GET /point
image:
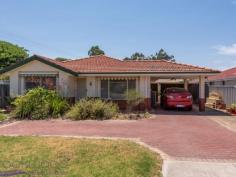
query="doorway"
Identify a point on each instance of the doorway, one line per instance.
(154, 95)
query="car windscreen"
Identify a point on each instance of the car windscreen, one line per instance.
(175, 90)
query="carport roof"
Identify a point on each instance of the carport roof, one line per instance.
(102, 64)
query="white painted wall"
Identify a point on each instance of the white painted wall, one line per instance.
(66, 82)
(144, 86)
(91, 86)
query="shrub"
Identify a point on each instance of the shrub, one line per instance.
(92, 109)
(134, 99)
(39, 103)
(2, 117)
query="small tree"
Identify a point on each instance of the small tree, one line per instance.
(11, 53)
(134, 98)
(95, 50)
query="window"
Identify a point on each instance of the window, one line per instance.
(116, 89)
(48, 82)
(104, 88)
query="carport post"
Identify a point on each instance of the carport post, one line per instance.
(201, 93)
(185, 84)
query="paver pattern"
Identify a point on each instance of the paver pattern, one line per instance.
(184, 135)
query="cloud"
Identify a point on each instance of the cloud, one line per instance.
(227, 50)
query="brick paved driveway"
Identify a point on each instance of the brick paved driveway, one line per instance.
(178, 135)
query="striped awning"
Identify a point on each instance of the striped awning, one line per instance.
(42, 74)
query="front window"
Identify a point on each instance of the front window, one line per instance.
(48, 82)
(117, 89)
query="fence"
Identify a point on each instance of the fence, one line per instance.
(228, 93)
(4, 93)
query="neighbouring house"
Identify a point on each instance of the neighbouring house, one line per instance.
(224, 84)
(104, 77)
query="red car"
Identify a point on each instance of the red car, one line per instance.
(177, 98)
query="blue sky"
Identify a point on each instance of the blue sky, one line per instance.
(201, 32)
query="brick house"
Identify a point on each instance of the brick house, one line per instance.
(103, 76)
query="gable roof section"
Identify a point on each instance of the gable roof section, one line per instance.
(102, 64)
(225, 75)
(42, 59)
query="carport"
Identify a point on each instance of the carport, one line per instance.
(159, 83)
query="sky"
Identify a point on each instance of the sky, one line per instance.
(201, 32)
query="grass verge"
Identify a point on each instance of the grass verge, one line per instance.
(54, 156)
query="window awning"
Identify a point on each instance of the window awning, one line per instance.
(42, 74)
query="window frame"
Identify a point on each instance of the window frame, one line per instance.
(22, 75)
(109, 88)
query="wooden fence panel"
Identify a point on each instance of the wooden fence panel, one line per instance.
(228, 93)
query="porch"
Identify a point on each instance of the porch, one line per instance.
(116, 88)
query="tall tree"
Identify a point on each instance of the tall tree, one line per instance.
(162, 55)
(95, 50)
(11, 53)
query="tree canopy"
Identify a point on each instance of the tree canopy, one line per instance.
(160, 55)
(61, 59)
(11, 53)
(95, 50)
(136, 56)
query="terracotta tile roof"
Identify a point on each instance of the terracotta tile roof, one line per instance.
(105, 64)
(227, 74)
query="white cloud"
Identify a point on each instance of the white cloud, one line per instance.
(227, 50)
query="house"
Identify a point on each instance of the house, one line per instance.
(225, 85)
(102, 76)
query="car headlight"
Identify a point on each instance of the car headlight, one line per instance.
(189, 97)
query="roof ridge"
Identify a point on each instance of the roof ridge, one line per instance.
(88, 57)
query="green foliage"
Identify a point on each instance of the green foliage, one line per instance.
(161, 55)
(136, 56)
(133, 99)
(95, 50)
(61, 59)
(92, 109)
(10, 54)
(2, 117)
(39, 103)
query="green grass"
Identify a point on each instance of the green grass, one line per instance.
(77, 157)
(2, 116)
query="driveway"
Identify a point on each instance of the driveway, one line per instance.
(180, 135)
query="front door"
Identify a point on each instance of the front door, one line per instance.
(154, 95)
(82, 89)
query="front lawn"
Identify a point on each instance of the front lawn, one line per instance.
(77, 157)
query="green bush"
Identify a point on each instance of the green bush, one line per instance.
(92, 109)
(2, 117)
(39, 103)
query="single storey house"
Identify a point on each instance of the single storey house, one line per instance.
(224, 84)
(102, 76)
